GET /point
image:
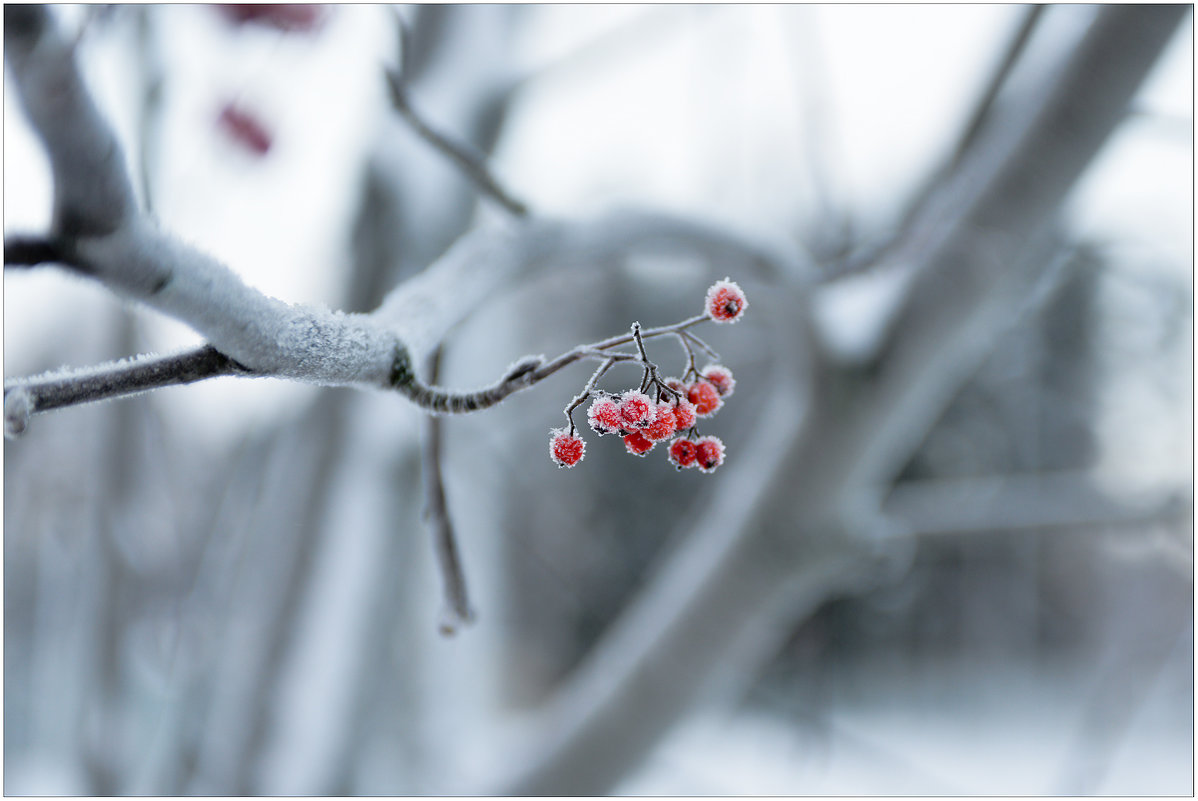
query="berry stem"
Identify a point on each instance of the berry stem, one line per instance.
(588, 390)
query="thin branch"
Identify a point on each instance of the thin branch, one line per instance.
(32, 251)
(122, 379)
(467, 159)
(457, 612)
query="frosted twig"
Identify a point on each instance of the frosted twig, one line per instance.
(121, 379)
(457, 611)
(469, 161)
(588, 390)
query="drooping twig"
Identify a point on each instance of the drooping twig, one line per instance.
(457, 611)
(469, 161)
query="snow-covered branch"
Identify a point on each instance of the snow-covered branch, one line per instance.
(264, 336)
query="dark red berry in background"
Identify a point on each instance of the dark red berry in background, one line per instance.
(288, 17)
(245, 129)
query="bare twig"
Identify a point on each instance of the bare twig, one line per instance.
(32, 251)
(468, 160)
(457, 612)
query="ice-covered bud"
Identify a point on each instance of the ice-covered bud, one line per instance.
(684, 413)
(18, 406)
(682, 453)
(726, 302)
(707, 400)
(720, 378)
(638, 444)
(709, 453)
(565, 449)
(663, 424)
(636, 410)
(604, 416)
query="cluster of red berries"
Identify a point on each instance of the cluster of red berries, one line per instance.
(643, 421)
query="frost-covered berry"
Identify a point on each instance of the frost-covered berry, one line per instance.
(684, 413)
(682, 453)
(565, 449)
(663, 424)
(636, 410)
(707, 400)
(720, 378)
(604, 416)
(638, 444)
(726, 302)
(709, 454)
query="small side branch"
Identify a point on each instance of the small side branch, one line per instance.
(470, 162)
(116, 380)
(523, 374)
(458, 612)
(31, 251)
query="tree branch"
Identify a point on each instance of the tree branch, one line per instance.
(120, 379)
(92, 193)
(264, 336)
(469, 161)
(457, 612)
(32, 251)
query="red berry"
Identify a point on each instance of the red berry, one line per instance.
(684, 413)
(636, 410)
(604, 416)
(638, 444)
(720, 378)
(705, 397)
(725, 302)
(709, 454)
(663, 424)
(682, 453)
(565, 449)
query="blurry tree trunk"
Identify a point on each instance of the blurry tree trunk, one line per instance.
(768, 552)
